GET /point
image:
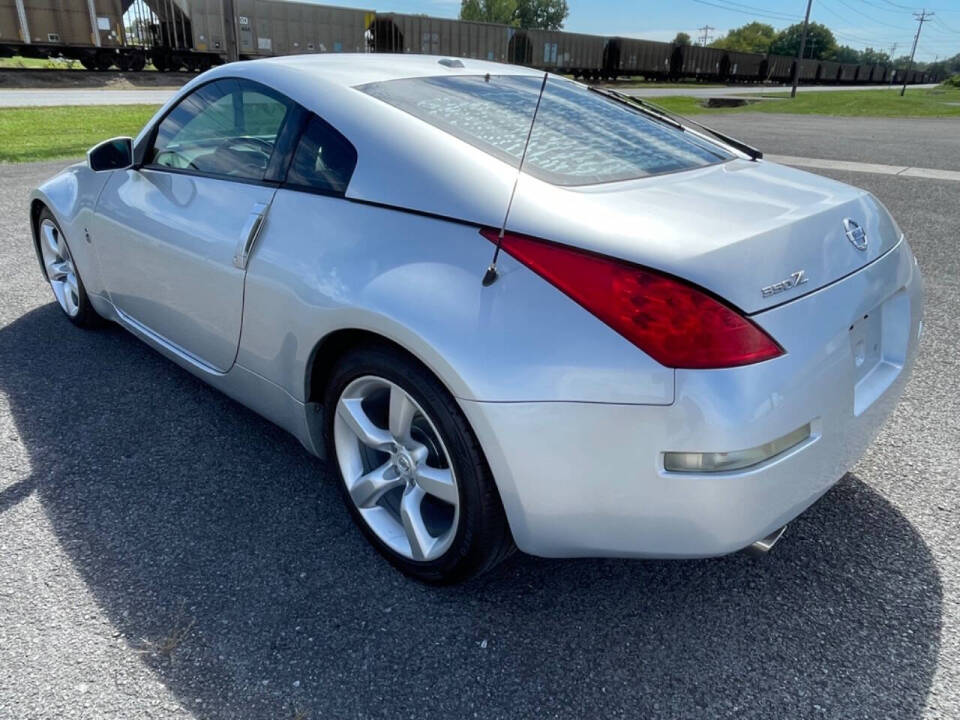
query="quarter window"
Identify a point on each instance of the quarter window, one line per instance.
(228, 128)
(324, 159)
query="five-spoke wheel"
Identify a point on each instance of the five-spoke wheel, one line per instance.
(396, 468)
(413, 474)
(59, 266)
(62, 273)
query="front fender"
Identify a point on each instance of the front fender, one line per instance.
(71, 196)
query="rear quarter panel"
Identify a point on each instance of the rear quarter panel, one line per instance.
(323, 264)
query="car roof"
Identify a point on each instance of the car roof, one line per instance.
(402, 161)
(352, 69)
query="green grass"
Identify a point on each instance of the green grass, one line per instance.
(48, 133)
(17, 62)
(930, 102)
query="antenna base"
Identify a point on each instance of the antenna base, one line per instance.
(490, 276)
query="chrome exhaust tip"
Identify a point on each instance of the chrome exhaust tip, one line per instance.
(765, 545)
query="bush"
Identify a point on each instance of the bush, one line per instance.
(953, 81)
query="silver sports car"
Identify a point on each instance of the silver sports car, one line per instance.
(510, 310)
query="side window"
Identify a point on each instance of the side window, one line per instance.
(227, 128)
(324, 160)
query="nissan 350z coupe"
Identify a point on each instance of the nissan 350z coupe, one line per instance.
(678, 348)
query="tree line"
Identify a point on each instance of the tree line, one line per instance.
(758, 37)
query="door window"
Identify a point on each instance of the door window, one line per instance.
(227, 128)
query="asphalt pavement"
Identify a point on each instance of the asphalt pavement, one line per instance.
(166, 553)
(916, 142)
(739, 90)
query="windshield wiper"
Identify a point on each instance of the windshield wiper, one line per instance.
(679, 122)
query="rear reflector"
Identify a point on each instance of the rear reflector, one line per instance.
(676, 323)
(694, 462)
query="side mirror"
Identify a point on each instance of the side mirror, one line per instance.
(113, 154)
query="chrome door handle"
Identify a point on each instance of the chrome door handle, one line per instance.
(249, 233)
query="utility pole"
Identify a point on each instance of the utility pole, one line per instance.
(803, 42)
(705, 36)
(921, 17)
(893, 50)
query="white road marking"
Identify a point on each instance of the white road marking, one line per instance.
(875, 168)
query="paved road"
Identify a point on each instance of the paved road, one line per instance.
(916, 142)
(165, 553)
(736, 90)
(82, 96)
(92, 96)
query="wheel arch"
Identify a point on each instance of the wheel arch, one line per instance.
(327, 351)
(332, 346)
(37, 206)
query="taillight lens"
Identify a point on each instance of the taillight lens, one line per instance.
(675, 323)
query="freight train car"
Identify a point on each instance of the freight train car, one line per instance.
(91, 32)
(195, 34)
(261, 28)
(266, 28)
(827, 72)
(630, 56)
(395, 32)
(701, 63)
(848, 73)
(562, 52)
(741, 66)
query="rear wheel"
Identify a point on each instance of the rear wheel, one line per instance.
(62, 273)
(412, 473)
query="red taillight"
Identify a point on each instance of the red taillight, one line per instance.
(675, 323)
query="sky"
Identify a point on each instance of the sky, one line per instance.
(858, 23)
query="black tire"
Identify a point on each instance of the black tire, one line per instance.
(86, 316)
(482, 538)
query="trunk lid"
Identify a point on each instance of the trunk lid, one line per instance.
(755, 233)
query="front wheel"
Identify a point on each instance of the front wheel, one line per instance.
(412, 472)
(62, 273)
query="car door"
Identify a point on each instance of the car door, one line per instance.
(173, 233)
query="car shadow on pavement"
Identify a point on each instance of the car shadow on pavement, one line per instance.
(220, 549)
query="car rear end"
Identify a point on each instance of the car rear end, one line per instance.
(740, 451)
(787, 306)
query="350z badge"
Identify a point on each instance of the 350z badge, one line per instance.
(795, 279)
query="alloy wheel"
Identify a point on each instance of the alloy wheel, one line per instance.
(58, 264)
(396, 468)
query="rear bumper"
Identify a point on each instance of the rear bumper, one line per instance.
(582, 479)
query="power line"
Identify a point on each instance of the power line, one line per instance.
(902, 7)
(881, 7)
(754, 13)
(944, 26)
(862, 14)
(753, 8)
(705, 36)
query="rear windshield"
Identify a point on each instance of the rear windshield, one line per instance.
(579, 137)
